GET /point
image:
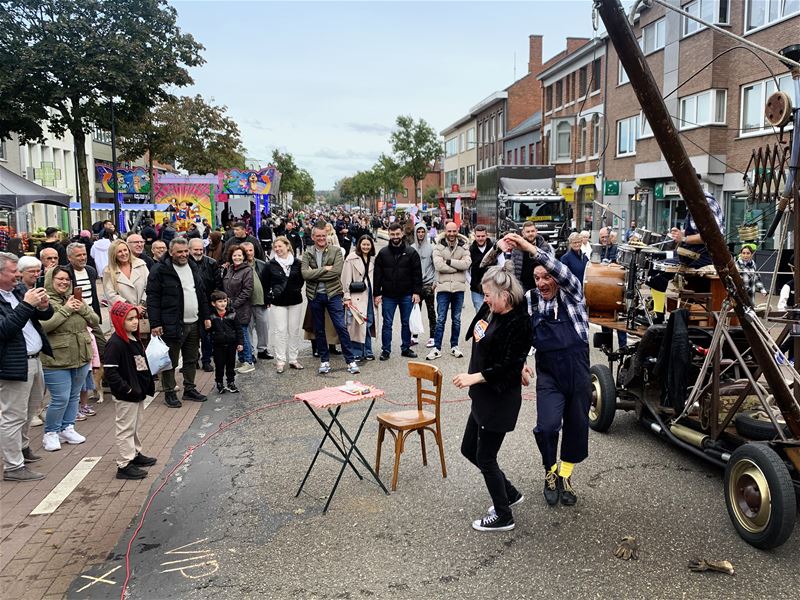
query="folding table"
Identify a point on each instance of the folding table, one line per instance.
(332, 399)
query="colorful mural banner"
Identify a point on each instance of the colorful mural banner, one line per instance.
(129, 181)
(188, 200)
(248, 182)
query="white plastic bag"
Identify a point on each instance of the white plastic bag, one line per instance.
(158, 356)
(415, 321)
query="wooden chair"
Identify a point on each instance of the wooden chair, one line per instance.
(402, 423)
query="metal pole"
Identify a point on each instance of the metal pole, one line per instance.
(654, 108)
(114, 167)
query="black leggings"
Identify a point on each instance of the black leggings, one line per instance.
(224, 362)
(480, 447)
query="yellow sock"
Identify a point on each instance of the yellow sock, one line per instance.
(659, 301)
(553, 468)
(565, 470)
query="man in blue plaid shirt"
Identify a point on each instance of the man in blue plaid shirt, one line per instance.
(691, 240)
(560, 326)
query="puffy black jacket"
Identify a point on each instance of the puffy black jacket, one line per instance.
(13, 351)
(281, 290)
(476, 271)
(210, 274)
(398, 272)
(165, 298)
(225, 330)
(126, 370)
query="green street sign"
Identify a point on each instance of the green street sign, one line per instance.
(659, 191)
(611, 187)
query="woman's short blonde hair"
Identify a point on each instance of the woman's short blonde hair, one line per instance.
(503, 283)
(574, 237)
(284, 240)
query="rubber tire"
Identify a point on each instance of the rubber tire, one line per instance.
(784, 507)
(608, 398)
(755, 429)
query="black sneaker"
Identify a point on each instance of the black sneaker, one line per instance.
(29, 456)
(552, 489)
(568, 497)
(492, 522)
(265, 355)
(140, 460)
(332, 350)
(409, 353)
(516, 501)
(208, 368)
(131, 472)
(231, 387)
(194, 396)
(384, 356)
(369, 357)
(220, 388)
(171, 400)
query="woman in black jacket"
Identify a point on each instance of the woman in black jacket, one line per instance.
(283, 291)
(501, 338)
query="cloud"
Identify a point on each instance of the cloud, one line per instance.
(348, 154)
(256, 124)
(374, 128)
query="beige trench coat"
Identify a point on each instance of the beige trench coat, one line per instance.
(354, 271)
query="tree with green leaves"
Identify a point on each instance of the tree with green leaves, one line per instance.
(388, 173)
(416, 146)
(63, 62)
(197, 135)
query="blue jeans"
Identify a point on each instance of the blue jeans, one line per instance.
(246, 355)
(389, 306)
(455, 302)
(65, 391)
(477, 300)
(335, 308)
(365, 349)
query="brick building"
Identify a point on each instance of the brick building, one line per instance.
(718, 113)
(572, 122)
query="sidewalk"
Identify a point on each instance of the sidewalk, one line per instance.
(40, 555)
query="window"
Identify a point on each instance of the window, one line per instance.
(461, 174)
(521, 155)
(626, 136)
(516, 156)
(492, 130)
(500, 126)
(754, 98)
(568, 89)
(548, 98)
(596, 76)
(711, 11)
(486, 132)
(583, 132)
(559, 93)
(645, 131)
(563, 141)
(706, 108)
(653, 36)
(761, 13)
(470, 138)
(450, 148)
(582, 81)
(2, 149)
(470, 174)
(532, 154)
(595, 135)
(102, 136)
(508, 159)
(622, 76)
(461, 142)
(450, 178)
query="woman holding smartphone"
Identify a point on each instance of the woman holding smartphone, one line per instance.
(65, 371)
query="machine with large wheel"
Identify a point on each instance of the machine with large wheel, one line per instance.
(721, 387)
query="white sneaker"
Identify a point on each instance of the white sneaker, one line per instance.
(352, 368)
(246, 368)
(433, 354)
(324, 367)
(36, 421)
(70, 436)
(456, 352)
(50, 441)
(431, 343)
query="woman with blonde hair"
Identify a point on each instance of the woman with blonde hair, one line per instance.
(283, 291)
(125, 280)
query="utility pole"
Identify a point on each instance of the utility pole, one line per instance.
(654, 108)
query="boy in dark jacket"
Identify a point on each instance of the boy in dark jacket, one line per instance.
(128, 375)
(227, 339)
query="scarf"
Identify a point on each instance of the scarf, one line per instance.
(285, 263)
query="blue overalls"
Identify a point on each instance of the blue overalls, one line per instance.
(563, 387)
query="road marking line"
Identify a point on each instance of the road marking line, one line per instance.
(190, 559)
(102, 578)
(148, 400)
(66, 486)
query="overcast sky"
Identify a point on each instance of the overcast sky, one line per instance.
(326, 80)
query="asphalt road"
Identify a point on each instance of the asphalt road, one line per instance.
(228, 525)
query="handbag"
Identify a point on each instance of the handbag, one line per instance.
(357, 287)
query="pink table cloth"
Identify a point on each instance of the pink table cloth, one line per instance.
(333, 396)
